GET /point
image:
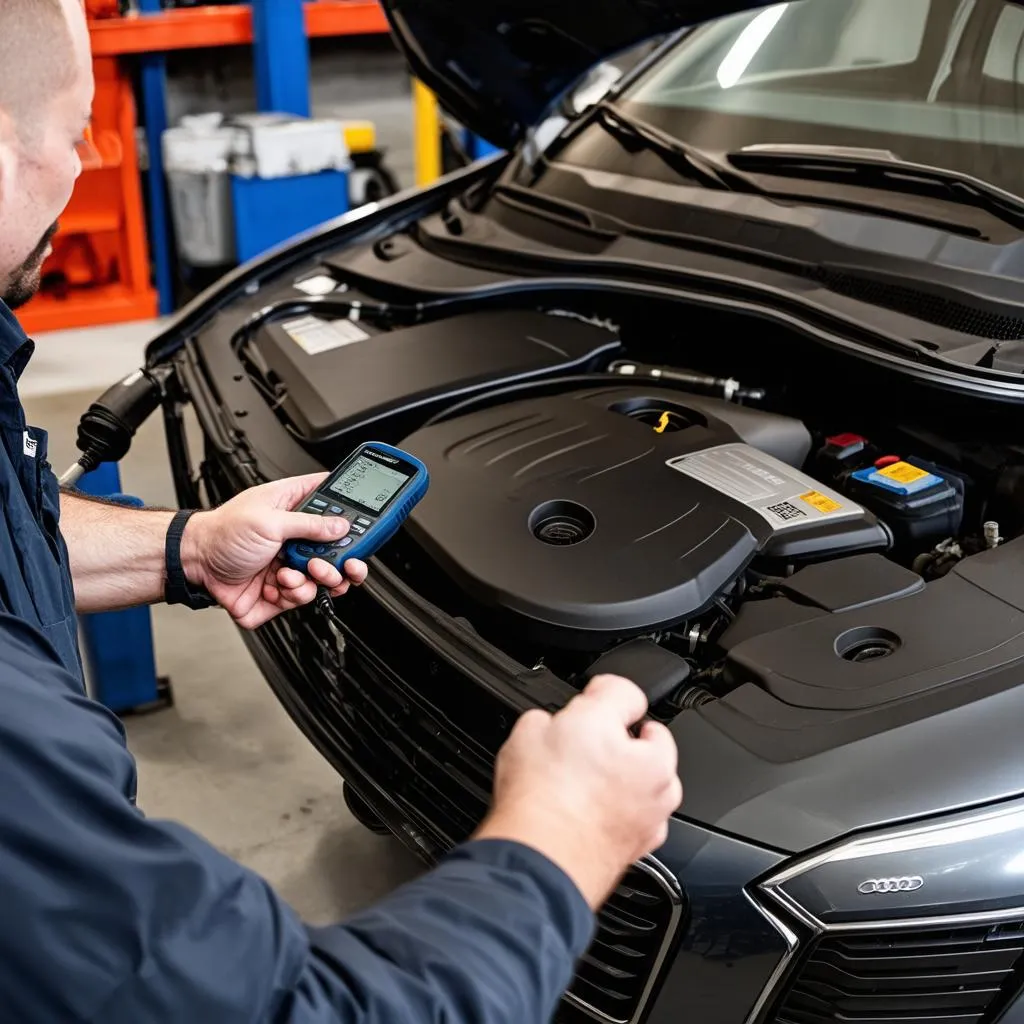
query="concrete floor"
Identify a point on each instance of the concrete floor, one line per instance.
(225, 760)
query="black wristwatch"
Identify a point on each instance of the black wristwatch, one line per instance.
(178, 590)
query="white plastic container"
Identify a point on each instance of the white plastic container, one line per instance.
(282, 146)
(197, 164)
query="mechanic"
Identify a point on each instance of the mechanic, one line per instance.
(115, 917)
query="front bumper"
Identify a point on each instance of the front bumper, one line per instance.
(410, 706)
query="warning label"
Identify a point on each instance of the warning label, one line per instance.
(903, 473)
(314, 335)
(822, 502)
(777, 492)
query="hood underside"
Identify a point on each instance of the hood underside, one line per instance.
(499, 67)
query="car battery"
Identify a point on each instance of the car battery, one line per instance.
(919, 502)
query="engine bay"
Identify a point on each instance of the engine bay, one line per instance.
(596, 505)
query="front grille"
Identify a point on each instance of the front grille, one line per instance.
(421, 752)
(437, 775)
(633, 933)
(961, 975)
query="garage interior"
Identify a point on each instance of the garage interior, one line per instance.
(713, 342)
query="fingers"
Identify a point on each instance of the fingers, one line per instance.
(328, 576)
(526, 734)
(294, 593)
(289, 579)
(324, 573)
(288, 493)
(676, 794)
(299, 588)
(659, 838)
(624, 700)
(532, 721)
(662, 747)
(356, 571)
(661, 741)
(304, 526)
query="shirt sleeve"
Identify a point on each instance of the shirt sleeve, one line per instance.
(112, 917)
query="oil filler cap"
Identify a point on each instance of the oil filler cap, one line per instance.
(562, 523)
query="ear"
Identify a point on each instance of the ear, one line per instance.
(8, 153)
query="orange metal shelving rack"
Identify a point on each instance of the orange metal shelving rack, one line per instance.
(99, 271)
(100, 268)
(229, 25)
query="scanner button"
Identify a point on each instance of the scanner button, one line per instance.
(337, 510)
(356, 528)
(363, 521)
(344, 542)
(304, 549)
(318, 503)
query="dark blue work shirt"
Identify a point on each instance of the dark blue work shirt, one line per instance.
(35, 581)
(115, 918)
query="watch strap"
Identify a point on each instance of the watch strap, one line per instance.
(177, 589)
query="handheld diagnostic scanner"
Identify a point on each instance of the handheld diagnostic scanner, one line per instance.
(375, 489)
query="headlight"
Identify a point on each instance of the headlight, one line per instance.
(964, 865)
(920, 924)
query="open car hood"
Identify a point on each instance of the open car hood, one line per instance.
(499, 65)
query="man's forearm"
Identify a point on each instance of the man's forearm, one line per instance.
(116, 552)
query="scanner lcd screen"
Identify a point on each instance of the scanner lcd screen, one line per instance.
(368, 483)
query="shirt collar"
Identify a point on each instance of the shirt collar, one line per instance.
(16, 347)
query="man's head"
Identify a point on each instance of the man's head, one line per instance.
(46, 92)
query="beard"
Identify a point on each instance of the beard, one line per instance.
(27, 279)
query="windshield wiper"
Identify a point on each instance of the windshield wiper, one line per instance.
(880, 169)
(681, 156)
(558, 209)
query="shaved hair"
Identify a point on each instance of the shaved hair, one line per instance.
(36, 57)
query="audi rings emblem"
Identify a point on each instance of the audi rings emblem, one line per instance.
(906, 883)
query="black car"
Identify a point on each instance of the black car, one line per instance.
(719, 381)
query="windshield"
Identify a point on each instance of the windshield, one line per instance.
(937, 82)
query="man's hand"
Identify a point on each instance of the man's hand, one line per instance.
(233, 551)
(579, 787)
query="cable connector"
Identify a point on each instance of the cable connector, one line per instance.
(107, 427)
(325, 606)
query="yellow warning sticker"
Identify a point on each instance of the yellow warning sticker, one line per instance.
(903, 473)
(822, 502)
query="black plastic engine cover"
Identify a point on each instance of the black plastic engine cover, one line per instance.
(336, 373)
(966, 627)
(575, 512)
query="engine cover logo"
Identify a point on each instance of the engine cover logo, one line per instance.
(661, 421)
(905, 883)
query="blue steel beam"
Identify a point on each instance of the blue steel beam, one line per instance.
(118, 646)
(280, 57)
(153, 86)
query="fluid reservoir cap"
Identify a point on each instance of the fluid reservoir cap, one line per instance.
(846, 440)
(899, 477)
(842, 446)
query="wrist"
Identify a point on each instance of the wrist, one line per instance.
(193, 549)
(186, 562)
(584, 857)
